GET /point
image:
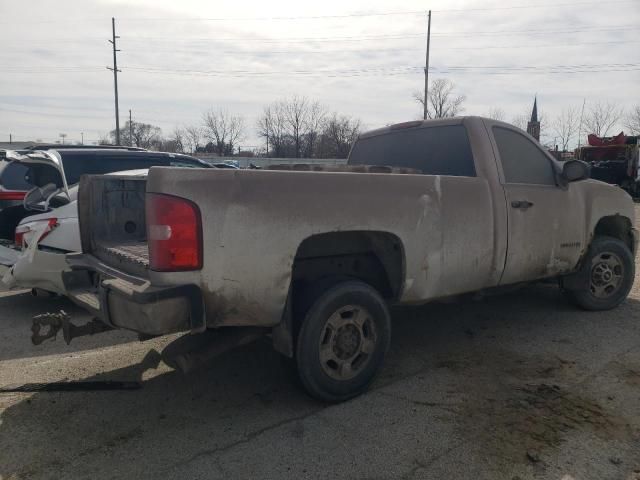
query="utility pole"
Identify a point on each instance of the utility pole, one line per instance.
(130, 130)
(115, 76)
(82, 137)
(426, 68)
(10, 138)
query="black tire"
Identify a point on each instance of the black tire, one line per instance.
(607, 258)
(350, 323)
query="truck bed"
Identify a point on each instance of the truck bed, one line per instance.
(136, 252)
(112, 222)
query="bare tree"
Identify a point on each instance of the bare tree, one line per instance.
(177, 139)
(632, 120)
(302, 119)
(291, 126)
(602, 117)
(313, 124)
(496, 113)
(521, 121)
(104, 139)
(565, 126)
(338, 135)
(223, 130)
(192, 137)
(138, 134)
(442, 102)
(271, 128)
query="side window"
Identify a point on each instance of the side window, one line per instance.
(443, 150)
(522, 161)
(76, 165)
(14, 177)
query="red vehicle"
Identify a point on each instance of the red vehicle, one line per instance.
(614, 160)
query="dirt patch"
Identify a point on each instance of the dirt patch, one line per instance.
(629, 375)
(533, 422)
(542, 414)
(531, 413)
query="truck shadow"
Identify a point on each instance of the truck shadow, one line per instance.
(176, 417)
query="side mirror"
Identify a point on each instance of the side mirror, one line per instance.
(574, 170)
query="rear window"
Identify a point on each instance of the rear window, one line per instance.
(77, 165)
(13, 177)
(441, 150)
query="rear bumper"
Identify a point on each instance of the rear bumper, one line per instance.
(40, 269)
(132, 303)
(8, 257)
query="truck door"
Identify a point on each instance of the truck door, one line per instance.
(544, 220)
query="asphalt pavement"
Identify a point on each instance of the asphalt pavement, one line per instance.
(518, 386)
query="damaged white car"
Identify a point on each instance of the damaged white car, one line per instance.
(35, 259)
(41, 241)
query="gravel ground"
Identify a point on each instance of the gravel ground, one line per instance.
(511, 387)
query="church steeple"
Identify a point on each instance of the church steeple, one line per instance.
(533, 127)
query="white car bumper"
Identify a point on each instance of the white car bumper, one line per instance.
(39, 269)
(8, 257)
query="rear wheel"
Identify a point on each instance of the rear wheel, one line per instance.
(342, 341)
(607, 272)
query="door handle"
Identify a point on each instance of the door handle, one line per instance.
(521, 204)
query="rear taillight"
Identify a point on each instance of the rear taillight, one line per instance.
(174, 233)
(42, 228)
(12, 195)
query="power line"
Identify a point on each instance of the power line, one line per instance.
(359, 38)
(340, 51)
(488, 69)
(383, 69)
(465, 33)
(329, 17)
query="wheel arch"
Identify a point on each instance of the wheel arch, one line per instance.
(374, 257)
(616, 226)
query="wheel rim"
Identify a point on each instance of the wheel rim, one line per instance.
(607, 273)
(347, 342)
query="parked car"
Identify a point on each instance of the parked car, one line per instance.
(13, 188)
(17, 178)
(423, 211)
(42, 240)
(14, 185)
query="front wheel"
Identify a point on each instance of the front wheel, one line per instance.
(342, 342)
(607, 272)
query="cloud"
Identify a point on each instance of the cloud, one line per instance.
(177, 61)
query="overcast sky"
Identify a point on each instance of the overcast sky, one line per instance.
(181, 58)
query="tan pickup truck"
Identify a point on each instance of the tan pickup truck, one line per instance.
(422, 211)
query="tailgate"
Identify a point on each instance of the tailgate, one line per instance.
(111, 214)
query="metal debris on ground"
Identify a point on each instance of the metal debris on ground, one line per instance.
(62, 320)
